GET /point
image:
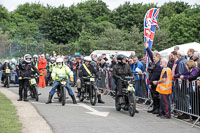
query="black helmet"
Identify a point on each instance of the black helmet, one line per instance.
(120, 57)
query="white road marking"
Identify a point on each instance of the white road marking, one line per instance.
(94, 111)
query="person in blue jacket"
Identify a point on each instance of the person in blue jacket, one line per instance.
(138, 70)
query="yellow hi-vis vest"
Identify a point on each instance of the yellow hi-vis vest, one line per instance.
(51, 66)
(63, 72)
(166, 86)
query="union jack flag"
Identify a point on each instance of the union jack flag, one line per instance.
(150, 25)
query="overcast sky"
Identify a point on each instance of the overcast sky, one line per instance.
(112, 4)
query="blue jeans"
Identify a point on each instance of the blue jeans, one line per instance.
(55, 85)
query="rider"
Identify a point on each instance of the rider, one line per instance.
(26, 69)
(5, 66)
(13, 63)
(61, 71)
(121, 70)
(87, 70)
(50, 66)
(35, 60)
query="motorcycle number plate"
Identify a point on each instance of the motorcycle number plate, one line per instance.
(131, 88)
(33, 81)
(7, 70)
(63, 82)
(92, 79)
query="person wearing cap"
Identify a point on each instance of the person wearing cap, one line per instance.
(42, 69)
(61, 71)
(87, 70)
(26, 69)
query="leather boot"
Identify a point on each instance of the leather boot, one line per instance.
(50, 98)
(156, 111)
(20, 99)
(99, 99)
(73, 99)
(151, 111)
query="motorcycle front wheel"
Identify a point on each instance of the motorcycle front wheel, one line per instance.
(132, 104)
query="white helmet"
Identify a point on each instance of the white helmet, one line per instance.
(53, 59)
(27, 56)
(59, 60)
(6, 61)
(35, 56)
(13, 60)
(87, 58)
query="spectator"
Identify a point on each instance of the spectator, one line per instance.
(193, 71)
(195, 57)
(42, 69)
(192, 74)
(181, 68)
(132, 54)
(171, 61)
(190, 54)
(104, 57)
(130, 62)
(174, 65)
(176, 48)
(154, 76)
(164, 87)
(102, 63)
(138, 68)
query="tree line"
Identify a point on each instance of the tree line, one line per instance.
(91, 25)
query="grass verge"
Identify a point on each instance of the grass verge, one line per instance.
(9, 122)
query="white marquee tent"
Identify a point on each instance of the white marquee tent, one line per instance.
(184, 47)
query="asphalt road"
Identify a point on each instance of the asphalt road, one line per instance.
(102, 118)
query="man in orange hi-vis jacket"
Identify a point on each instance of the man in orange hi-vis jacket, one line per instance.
(42, 69)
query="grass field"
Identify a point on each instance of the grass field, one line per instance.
(9, 122)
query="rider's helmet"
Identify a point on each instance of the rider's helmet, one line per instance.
(120, 57)
(53, 59)
(35, 56)
(13, 60)
(6, 61)
(58, 60)
(87, 58)
(27, 56)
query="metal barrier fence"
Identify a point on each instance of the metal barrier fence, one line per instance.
(185, 96)
(107, 83)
